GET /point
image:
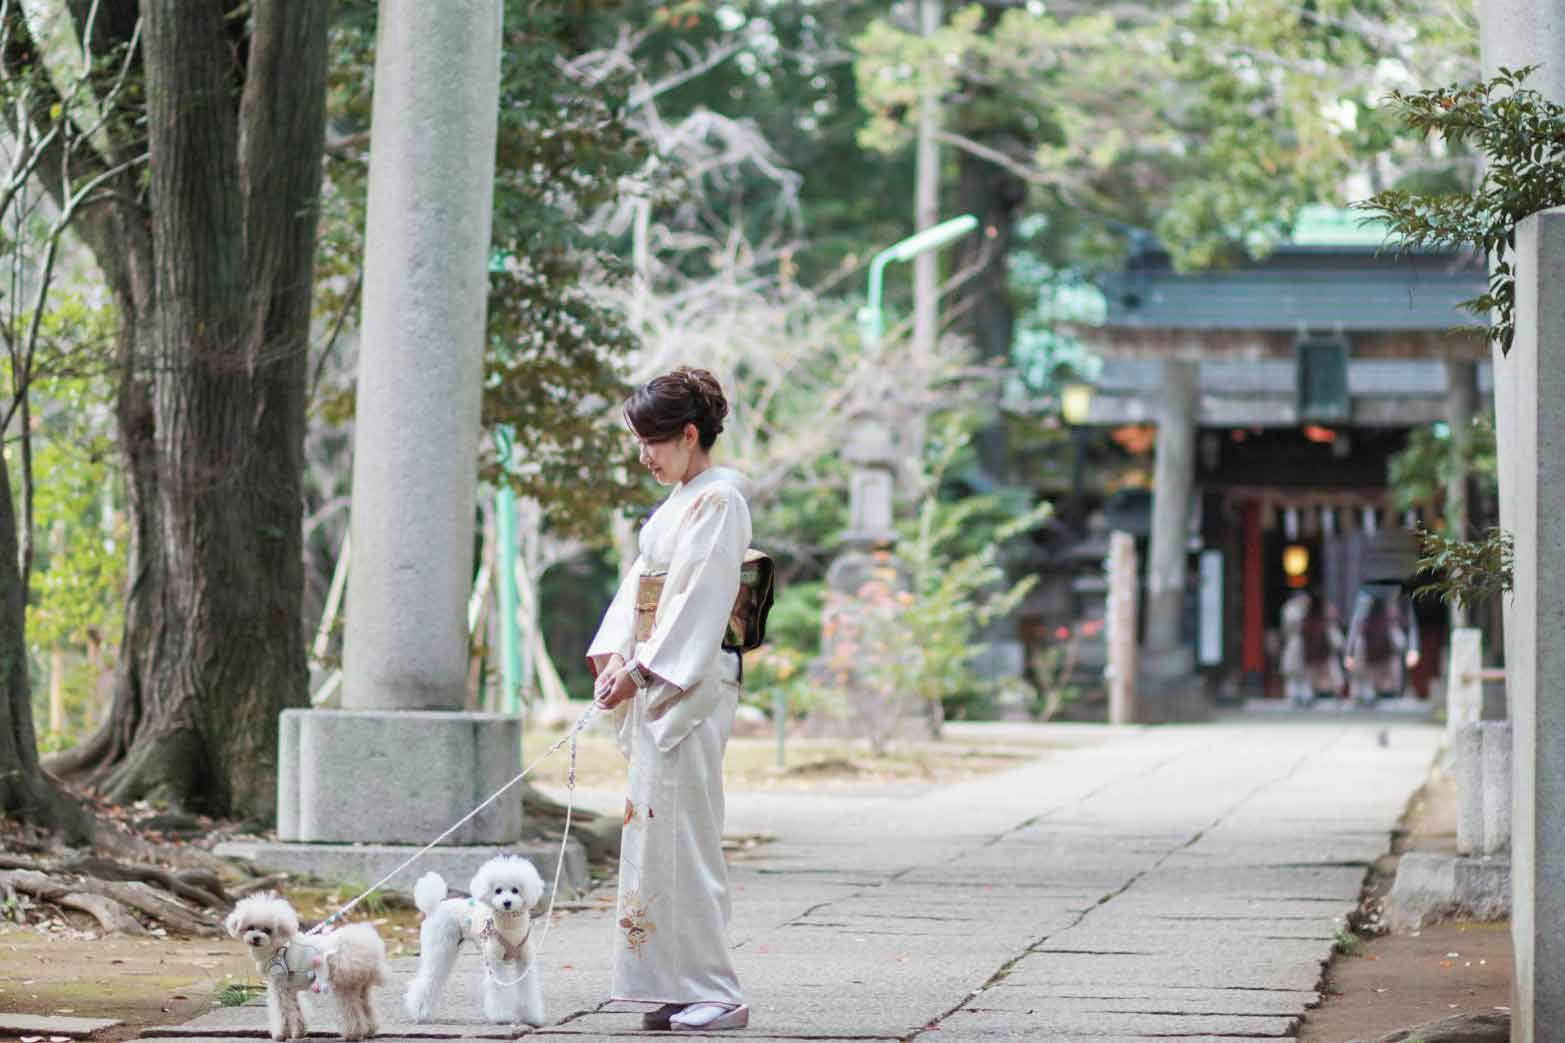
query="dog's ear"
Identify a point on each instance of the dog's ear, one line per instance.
(232, 923)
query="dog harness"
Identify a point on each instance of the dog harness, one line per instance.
(296, 963)
(480, 925)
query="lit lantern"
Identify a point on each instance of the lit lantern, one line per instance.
(1076, 403)
(1296, 564)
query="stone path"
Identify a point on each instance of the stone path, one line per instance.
(1181, 882)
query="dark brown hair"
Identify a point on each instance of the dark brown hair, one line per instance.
(659, 409)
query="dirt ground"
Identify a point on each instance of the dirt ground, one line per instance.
(60, 969)
(751, 761)
(1392, 982)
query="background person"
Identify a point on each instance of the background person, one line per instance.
(1311, 664)
(1382, 643)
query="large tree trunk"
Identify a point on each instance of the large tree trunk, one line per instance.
(994, 195)
(212, 407)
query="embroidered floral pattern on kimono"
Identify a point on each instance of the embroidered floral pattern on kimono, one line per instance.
(633, 813)
(635, 922)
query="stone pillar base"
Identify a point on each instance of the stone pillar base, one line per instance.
(363, 864)
(396, 777)
(1171, 692)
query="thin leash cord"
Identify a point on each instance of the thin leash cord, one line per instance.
(554, 889)
(570, 737)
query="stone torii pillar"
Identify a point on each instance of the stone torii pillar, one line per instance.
(1530, 430)
(400, 762)
(1174, 478)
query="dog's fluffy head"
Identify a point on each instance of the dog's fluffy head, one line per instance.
(507, 883)
(263, 921)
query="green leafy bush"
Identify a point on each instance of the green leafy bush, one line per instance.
(1521, 136)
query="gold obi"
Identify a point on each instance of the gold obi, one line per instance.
(746, 620)
(649, 588)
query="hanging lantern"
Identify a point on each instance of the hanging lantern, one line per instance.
(1296, 564)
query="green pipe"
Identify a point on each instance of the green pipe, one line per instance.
(505, 580)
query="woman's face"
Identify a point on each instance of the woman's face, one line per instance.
(669, 459)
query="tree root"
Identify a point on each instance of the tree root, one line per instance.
(116, 895)
(111, 915)
(260, 883)
(193, 885)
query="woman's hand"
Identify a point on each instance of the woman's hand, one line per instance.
(614, 686)
(605, 679)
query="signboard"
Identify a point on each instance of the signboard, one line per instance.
(1209, 634)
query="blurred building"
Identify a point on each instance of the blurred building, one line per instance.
(1274, 392)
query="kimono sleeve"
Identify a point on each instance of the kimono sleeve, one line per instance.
(617, 633)
(699, 593)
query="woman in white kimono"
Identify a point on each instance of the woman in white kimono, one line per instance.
(661, 669)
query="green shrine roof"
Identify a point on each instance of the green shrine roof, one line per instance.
(1321, 225)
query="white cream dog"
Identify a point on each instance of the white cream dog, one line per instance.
(497, 919)
(347, 962)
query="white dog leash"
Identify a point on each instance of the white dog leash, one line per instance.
(568, 737)
(548, 916)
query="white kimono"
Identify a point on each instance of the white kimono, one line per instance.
(671, 942)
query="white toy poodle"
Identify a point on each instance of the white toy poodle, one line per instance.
(347, 962)
(497, 919)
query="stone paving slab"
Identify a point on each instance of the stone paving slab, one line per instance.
(1253, 969)
(1028, 1035)
(1317, 882)
(1048, 1024)
(572, 1034)
(52, 1025)
(1136, 906)
(1004, 996)
(1238, 929)
(321, 1017)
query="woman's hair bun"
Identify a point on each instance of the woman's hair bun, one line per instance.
(662, 406)
(708, 392)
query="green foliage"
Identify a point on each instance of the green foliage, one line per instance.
(1418, 475)
(552, 368)
(237, 994)
(1466, 572)
(1521, 137)
(1045, 352)
(786, 76)
(79, 575)
(795, 619)
(915, 647)
(1209, 124)
(552, 372)
(793, 639)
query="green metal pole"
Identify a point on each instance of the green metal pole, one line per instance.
(505, 566)
(505, 562)
(871, 318)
